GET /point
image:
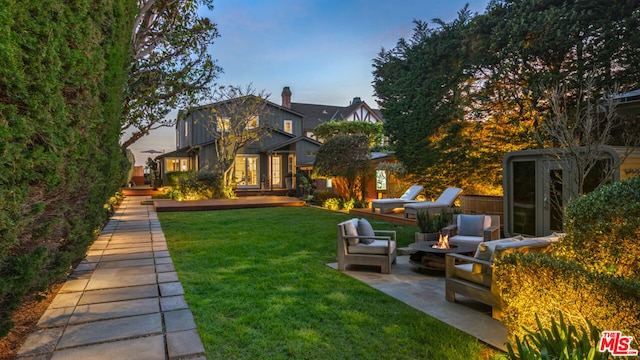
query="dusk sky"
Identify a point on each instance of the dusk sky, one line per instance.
(322, 50)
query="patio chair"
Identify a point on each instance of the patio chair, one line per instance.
(393, 203)
(445, 201)
(473, 277)
(359, 244)
(473, 229)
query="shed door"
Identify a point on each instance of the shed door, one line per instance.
(556, 189)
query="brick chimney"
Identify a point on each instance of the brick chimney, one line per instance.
(286, 97)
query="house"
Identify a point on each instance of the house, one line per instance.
(289, 146)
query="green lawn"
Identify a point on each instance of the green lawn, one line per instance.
(257, 283)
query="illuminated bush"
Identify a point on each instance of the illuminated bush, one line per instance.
(603, 230)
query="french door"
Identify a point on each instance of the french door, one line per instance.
(246, 171)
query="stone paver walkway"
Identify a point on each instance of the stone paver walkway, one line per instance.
(123, 301)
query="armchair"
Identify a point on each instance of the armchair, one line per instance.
(473, 229)
(359, 244)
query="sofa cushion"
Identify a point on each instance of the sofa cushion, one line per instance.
(470, 225)
(365, 231)
(351, 229)
(474, 273)
(377, 247)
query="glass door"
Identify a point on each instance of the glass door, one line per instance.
(556, 189)
(276, 170)
(523, 207)
(246, 171)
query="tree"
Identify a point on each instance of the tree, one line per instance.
(584, 130)
(239, 118)
(327, 130)
(487, 74)
(420, 84)
(170, 65)
(353, 165)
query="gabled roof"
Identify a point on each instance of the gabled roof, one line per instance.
(316, 114)
(210, 105)
(292, 141)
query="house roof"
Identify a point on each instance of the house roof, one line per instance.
(293, 140)
(316, 114)
(182, 153)
(214, 104)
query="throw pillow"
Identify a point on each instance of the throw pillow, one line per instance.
(351, 229)
(364, 231)
(470, 225)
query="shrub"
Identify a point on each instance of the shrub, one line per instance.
(537, 284)
(320, 196)
(332, 203)
(603, 228)
(173, 178)
(201, 185)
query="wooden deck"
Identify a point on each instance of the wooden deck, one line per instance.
(163, 205)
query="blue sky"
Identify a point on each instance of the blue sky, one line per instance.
(322, 50)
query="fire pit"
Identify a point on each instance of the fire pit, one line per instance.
(429, 257)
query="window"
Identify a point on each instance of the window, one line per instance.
(288, 126)
(253, 122)
(224, 124)
(381, 180)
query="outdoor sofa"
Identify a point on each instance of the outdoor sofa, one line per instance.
(472, 276)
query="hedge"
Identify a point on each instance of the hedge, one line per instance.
(61, 89)
(538, 284)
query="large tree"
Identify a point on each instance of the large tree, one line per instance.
(496, 69)
(171, 67)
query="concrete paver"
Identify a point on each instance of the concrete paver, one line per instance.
(123, 301)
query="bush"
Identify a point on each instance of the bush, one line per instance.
(173, 178)
(320, 196)
(332, 203)
(201, 185)
(603, 229)
(537, 284)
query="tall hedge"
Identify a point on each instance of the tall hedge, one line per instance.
(62, 77)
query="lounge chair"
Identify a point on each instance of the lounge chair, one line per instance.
(445, 201)
(409, 196)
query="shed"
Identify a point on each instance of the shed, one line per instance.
(539, 183)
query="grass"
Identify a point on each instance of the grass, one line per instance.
(257, 283)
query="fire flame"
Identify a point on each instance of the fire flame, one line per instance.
(443, 242)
